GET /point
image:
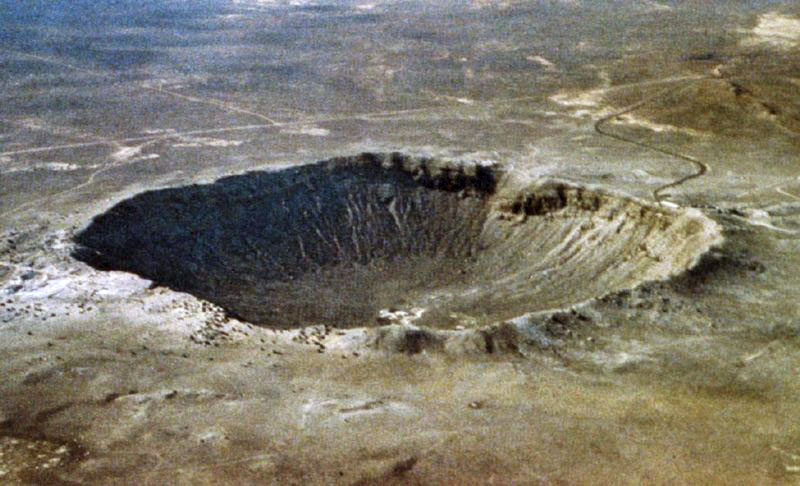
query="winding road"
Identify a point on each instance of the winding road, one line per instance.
(701, 167)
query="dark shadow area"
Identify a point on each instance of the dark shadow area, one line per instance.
(329, 243)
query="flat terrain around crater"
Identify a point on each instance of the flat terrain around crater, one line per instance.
(352, 242)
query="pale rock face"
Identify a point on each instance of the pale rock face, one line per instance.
(308, 130)
(776, 30)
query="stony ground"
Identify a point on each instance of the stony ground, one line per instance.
(110, 378)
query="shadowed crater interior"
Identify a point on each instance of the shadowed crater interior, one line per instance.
(346, 241)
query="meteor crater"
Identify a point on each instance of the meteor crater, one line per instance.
(345, 241)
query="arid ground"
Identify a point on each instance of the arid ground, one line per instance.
(419, 242)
